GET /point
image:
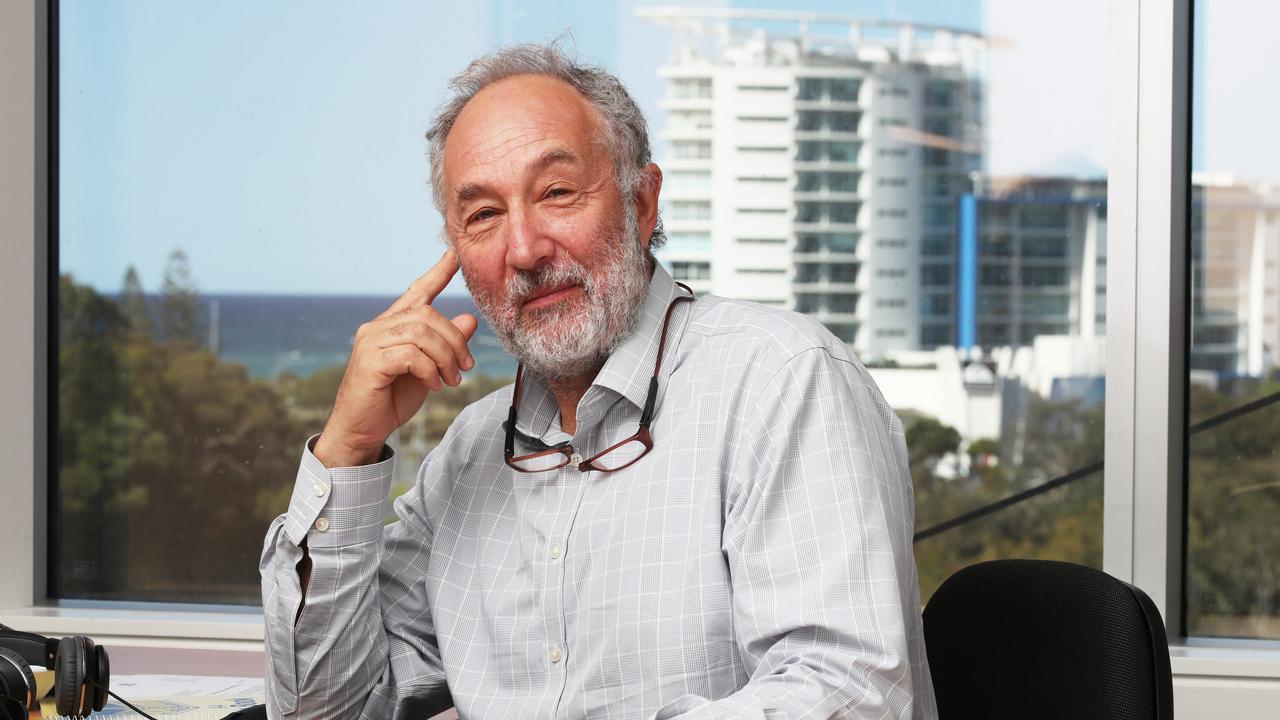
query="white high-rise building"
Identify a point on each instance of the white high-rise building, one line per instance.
(816, 168)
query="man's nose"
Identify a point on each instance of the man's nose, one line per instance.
(528, 244)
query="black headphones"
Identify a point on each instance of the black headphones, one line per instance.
(81, 673)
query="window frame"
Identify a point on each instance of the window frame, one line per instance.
(1146, 381)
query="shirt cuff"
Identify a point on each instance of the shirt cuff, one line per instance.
(333, 507)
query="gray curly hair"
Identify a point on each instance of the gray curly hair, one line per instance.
(624, 133)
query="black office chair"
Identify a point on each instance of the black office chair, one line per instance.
(1046, 640)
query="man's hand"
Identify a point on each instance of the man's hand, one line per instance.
(399, 357)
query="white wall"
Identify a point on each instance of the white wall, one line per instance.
(17, 294)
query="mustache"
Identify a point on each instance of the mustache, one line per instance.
(563, 272)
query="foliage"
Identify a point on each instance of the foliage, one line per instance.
(1063, 524)
(166, 455)
(1233, 536)
(178, 301)
(171, 463)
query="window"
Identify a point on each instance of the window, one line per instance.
(827, 151)
(691, 270)
(1233, 498)
(939, 94)
(842, 272)
(935, 334)
(685, 88)
(935, 157)
(690, 210)
(688, 242)
(939, 185)
(845, 332)
(1034, 276)
(939, 215)
(996, 275)
(935, 274)
(685, 182)
(1044, 216)
(1036, 244)
(938, 244)
(1044, 247)
(690, 119)
(691, 149)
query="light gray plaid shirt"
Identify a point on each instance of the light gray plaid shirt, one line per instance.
(756, 564)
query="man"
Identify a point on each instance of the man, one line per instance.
(683, 509)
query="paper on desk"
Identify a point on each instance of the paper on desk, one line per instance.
(183, 697)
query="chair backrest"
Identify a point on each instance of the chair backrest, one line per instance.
(1043, 639)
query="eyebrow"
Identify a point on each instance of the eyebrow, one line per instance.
(470, 191)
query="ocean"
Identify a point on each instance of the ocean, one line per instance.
(299, 334)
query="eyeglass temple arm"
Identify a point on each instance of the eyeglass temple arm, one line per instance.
(649, 405)
(509, 443)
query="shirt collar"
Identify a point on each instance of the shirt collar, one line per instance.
(626, 371)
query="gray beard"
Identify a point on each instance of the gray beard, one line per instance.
(564, 343)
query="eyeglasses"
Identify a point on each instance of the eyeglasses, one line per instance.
(615, 457)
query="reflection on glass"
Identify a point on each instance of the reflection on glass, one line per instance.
(1233, 495)
(978, 296)
(966, 273)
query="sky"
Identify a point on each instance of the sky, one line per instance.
(281, 144)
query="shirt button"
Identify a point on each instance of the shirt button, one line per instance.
(555, 654)
(318, 489)
(322, 524)
(555, 552)
(576, 459)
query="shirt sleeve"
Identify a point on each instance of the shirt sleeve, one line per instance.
(344, 655)
(817, 536)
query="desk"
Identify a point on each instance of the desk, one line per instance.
(128, 660)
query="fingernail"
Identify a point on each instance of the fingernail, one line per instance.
(468, 362)
(457, 378)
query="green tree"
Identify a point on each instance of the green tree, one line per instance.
(179, 302)
(133, 302)
(170, 462)
(93, 461)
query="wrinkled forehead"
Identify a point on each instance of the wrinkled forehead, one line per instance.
(512, 124)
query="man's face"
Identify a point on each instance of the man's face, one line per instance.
(551, 250)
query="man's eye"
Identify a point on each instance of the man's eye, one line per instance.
(482, 215)
(558, 192)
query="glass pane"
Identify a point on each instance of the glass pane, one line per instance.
(1233, 499)
(236, 198)
(978, 300)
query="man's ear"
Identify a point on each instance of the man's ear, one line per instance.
(645, 197)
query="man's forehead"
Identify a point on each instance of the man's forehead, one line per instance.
(554, 156)
(520, 119)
